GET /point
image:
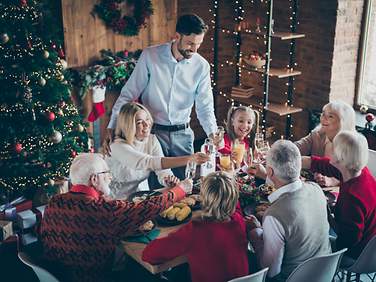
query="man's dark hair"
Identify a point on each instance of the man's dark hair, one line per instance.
(191, 23)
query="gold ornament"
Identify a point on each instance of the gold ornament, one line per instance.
(64, 63)
(4, 38)
(61, 77)
(51, 182)
(79, 128)
(42, 81)
(46, 54)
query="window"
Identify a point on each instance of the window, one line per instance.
(366, 77)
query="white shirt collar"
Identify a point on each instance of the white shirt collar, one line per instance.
(291, 187)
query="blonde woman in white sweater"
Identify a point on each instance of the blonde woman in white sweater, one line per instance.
(136, 152)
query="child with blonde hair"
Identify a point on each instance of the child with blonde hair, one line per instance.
(212, 242)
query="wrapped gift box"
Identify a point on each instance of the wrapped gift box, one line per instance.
(30, 218)
(29, 238)
(6, 229)
(9, 211)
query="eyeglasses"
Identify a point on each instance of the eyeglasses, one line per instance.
(106, 171)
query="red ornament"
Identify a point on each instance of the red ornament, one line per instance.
(125, 53)
(23, 3)
(50, 116)
(53, 45)
(18, 148)
(73, 154)
(61, 53)
(370, 117)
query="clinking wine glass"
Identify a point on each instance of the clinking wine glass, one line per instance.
(210, 150)
(190, 169)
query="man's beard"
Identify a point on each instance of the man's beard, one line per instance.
(186, 53)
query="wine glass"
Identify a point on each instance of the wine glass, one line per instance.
(218, 137)
(210, 150)
(190, 169)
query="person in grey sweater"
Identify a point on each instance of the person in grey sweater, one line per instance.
(295, 226)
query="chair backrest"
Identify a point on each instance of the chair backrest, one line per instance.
(255, 277)
(43, 275)
(366, 262)
(372, 162)
(320, 269)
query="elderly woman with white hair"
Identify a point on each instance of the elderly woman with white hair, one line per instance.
(335, 116)
(355, 211)
(135, 153)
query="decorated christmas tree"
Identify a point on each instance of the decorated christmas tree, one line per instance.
(41, 129)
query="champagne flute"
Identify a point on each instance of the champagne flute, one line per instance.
(210, 150)
(190, 169)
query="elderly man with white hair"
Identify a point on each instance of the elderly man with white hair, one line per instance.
(355, 211)
(80, 229)
(295, 226)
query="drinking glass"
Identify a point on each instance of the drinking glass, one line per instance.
(262, 149)
(225, 161)
(259, 139)
(210, 150)
(218, 137)
(238, 147)
(190, 169)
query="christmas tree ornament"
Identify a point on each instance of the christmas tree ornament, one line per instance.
(370, 117)
(60, 53)
(51, 182)
(56, 137)
(46, 54)
(79, 128)
(60, 112)
(73, 154)
(4, 38)
(64, 63)
(50, 116)
(363, 109)
(18, 148)
(23, 3)
(42, 81)
(60, 77)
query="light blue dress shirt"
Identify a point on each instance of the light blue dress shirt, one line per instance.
(169, 88)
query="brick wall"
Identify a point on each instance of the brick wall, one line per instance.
(327, 56)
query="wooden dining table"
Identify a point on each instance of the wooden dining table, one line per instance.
(134, 250)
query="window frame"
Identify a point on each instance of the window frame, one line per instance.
(365, 29)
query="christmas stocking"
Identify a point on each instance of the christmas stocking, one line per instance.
(98, 103)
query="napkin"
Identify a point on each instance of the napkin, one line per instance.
(153, 234)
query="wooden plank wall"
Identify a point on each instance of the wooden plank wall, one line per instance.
(85, 35)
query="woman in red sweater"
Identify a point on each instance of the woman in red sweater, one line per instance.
(215, 245)
(355, 211)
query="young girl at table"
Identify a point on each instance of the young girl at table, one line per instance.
(241, 125)
(212, 242)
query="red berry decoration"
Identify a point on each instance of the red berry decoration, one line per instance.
(73, 154)
(50, 116)
(18, 148)
(370, 117)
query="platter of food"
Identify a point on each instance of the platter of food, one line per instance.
(145, 229)
(140, 196)
(178, 213)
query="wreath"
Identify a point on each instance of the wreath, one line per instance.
(125, 17)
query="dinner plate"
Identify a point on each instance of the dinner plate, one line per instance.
(166, 222)
(145, 194)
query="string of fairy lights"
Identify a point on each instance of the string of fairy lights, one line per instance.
(260, 32)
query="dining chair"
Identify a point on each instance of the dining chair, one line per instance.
(317, 269)
(42, 274)
(372, 162)
(259, 276)
(365, 264)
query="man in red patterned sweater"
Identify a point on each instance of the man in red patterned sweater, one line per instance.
(80, 229)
